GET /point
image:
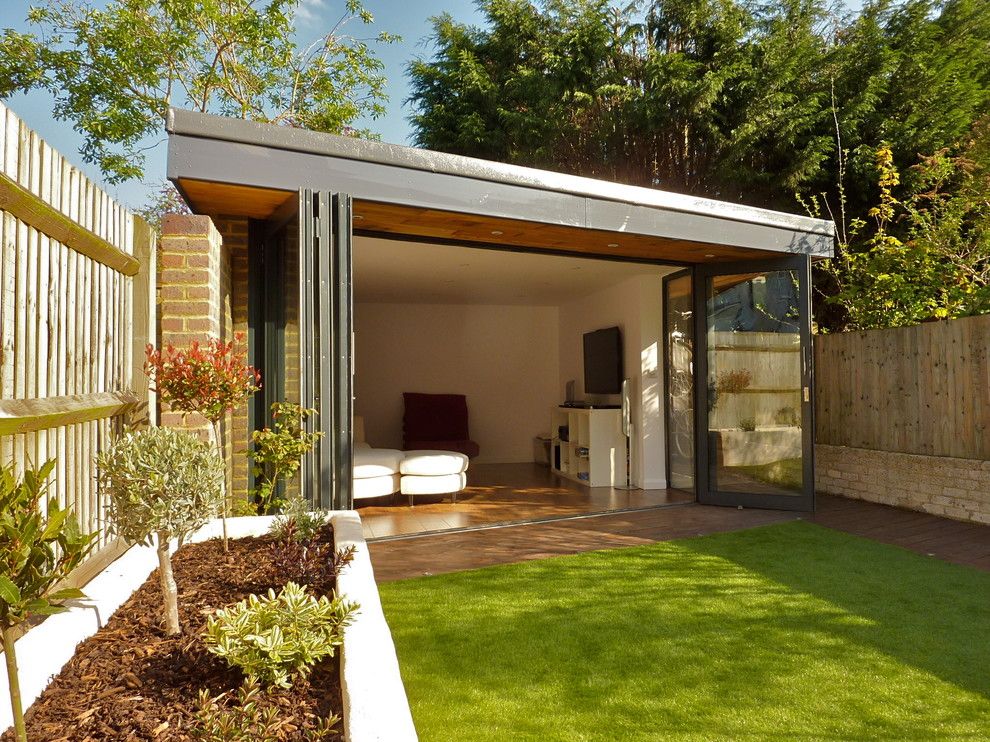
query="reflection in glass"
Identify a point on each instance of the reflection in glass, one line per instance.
(678, 306)
(754, 383)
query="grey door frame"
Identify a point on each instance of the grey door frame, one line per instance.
(665, 330)
(801, 264)
(326, 345)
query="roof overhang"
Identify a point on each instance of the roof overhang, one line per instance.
(234, 167)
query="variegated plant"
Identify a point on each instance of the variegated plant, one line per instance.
(277, 637)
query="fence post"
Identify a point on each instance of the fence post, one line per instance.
(143, 318)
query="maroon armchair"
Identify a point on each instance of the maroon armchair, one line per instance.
(437, 421)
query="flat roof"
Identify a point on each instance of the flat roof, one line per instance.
(218, 149)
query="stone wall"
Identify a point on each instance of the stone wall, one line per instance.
(950, 487)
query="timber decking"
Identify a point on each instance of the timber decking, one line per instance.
(950, 540)
(505, 493)
(452, 552)
(953, 541)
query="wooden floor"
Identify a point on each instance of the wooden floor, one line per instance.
(505, 493)
(952, 541)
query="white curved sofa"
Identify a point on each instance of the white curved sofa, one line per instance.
(384, 471)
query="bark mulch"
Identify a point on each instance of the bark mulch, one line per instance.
(130, 681)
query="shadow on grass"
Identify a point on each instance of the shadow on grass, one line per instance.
(925, 612)
(788, 631)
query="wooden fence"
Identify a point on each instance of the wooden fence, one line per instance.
(76, 310)
(921, 390)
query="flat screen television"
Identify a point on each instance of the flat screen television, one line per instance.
(603, 361)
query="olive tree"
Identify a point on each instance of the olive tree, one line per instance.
(160, 483)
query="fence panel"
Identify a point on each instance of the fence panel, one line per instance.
(921, 390)
(76, 310)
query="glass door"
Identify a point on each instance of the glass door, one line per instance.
(679, 393)
(326, 344)
(755, 386)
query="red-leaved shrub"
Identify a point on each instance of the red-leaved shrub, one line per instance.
(211, 379)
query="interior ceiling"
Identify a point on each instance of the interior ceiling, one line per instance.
(400, 272)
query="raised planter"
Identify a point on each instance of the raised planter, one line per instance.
(375, 703)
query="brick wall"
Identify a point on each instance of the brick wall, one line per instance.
(234, 231)
(950, 487)
(194, 304)
(203, 292)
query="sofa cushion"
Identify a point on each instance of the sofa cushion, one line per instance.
(468, 448)
(444, 485)
(434, 417)
(433, 463)
(376, 462)
(376, 486)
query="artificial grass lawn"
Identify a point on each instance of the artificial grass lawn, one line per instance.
(785, 632)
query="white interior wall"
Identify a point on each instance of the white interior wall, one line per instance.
(503, 358)
(635, 306)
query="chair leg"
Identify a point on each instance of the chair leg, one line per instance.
(410, 500)
(453, 498)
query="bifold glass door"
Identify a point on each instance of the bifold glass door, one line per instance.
(325, 343)
(679, 392)
(754, 415)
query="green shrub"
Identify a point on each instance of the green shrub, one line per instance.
(36, 553)
(244, 721)
(165, 483)
(748, 424)
(786, 416)
(298, 523)
(277, 637)
(278, 452)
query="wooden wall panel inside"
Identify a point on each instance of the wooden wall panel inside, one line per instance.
(922, 390)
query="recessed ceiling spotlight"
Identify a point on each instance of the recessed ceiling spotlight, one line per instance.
(358, 216)
(496, 233)
(709, 255)
(613, 244)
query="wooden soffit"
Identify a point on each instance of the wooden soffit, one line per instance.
(397, 221)
(372, 218)
(214, 199)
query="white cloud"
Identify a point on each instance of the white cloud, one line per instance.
(310, 10)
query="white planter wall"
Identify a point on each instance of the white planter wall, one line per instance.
(375, 703)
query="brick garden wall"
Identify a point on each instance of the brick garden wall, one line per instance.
(940, 485)
(197, 294)
(203, 292)
(234, 231)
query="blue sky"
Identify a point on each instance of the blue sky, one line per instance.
(408, 18)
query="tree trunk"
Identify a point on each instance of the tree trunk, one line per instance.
(169, 590)
(14, 683)
(223, 461)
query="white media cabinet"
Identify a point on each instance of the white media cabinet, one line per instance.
(594, 452)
